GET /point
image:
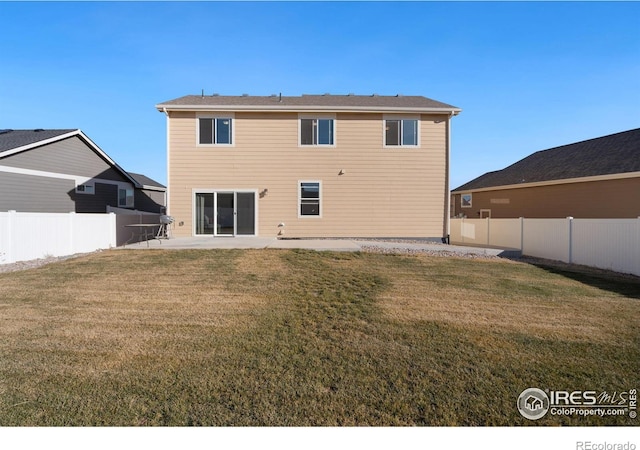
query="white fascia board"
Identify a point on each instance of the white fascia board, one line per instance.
(614, 176)
(82, 136)
(288, 108)
(152, 188)
(107, 158)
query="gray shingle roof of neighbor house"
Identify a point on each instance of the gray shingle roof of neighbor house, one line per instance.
(12, 139)
(309, 102)
(15, 140)
(145, 181)
(607, 155)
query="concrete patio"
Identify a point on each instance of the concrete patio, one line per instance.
(253, 242)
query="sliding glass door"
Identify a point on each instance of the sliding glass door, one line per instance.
(246, 213)
(204, 214)
(225, 213)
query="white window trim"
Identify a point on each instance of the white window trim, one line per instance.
(195, 191)
(304, 216)
(216, 115)
(403, 117)
(318, 117)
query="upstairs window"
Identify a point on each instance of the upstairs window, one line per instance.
(401, 132)
(215, 130)
(317, 131)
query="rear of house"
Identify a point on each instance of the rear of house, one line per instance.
(308, 166)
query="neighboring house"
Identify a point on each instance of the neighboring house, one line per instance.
(597, 178)
(61, 171)
(151, 196)
(308, 166)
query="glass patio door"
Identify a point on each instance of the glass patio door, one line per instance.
(225, 213)
(246, 213)
(204, 214)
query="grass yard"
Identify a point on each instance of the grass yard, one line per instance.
(298, 338)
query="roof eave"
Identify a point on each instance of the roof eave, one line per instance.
(23, 148)
(613, 176)
(83, 137)
(148, 187)
(309, 108)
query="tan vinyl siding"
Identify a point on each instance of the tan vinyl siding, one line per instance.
(391, 192)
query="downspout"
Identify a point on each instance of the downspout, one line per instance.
(166, 193)
(447, 199)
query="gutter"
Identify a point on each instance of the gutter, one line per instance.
(307, 108)
(609, 177)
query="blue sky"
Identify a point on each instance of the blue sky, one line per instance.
(528, 76)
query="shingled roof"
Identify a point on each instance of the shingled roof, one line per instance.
(607, 155)
(12, 139)
(306, 101)
(146, 182)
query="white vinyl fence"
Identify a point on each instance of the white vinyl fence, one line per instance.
(612, 244)
(25, 236)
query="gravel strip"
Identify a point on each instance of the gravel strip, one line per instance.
(424, 251)
(34, 263)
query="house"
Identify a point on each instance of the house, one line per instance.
(308, 166)
(149, 195)
(61, 171)
(596, 178)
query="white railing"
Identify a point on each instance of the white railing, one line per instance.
(25, 236)
(612, 244)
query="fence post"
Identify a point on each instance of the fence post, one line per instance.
(113, 230)
(522, 235)
(11, 248)
(488, 231)
(72, 232)
(570, 220)
(638, 247)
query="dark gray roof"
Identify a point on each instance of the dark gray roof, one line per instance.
(607, 155)
(10, 139)
(145, 181)
(324, 101)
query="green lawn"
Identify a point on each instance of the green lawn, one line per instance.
(297, 338)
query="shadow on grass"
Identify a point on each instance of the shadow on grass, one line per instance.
(618, 283)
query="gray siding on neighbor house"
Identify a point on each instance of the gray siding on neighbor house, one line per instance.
(26, 193)
(148, 200)
(70, 156)
(105, 194)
